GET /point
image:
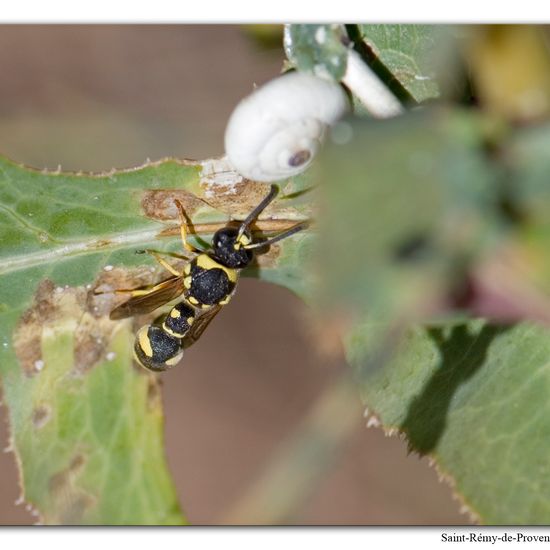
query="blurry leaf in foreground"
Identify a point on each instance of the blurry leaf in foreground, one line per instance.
(526, 158)
(412, 204)
(512, 281)
(407, 208)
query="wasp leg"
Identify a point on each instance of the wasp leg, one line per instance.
(183, 229)
(133, 291)
(164, 263)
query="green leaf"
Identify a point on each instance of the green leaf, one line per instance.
(86, 425)
(320, 49)
(475, 398)
(409, 53)
(89, 441)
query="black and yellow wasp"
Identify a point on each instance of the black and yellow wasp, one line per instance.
(207, 282)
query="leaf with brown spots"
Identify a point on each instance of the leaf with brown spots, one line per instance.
(86, 424)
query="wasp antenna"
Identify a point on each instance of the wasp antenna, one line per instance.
(294, 229)
(257, 211)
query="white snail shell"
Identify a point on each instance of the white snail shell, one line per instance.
(275, 132)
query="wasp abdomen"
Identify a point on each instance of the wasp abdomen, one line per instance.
(157, 350)
(179, 319)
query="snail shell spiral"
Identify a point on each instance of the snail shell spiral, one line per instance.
(275, 132)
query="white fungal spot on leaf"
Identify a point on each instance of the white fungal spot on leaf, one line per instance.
(219, 177)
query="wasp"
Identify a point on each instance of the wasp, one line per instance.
(206, 283)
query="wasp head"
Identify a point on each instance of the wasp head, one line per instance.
(229, 248)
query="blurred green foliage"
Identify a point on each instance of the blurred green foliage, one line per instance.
(436, 226)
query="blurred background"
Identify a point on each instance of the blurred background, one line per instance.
(97, 97)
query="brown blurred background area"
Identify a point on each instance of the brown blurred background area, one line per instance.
(97, 97)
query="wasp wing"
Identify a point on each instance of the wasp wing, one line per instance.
(200, 325)
(145, 301)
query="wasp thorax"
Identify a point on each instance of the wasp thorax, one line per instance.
(230, 252)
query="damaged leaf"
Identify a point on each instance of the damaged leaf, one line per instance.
(86, 425)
